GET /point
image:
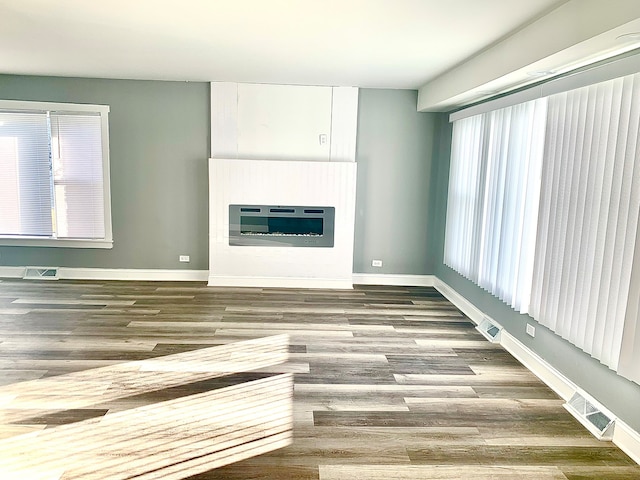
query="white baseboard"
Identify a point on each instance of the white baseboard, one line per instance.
(213, 280)
(279, 282)
(392, 279)
(555, 380)
(469, 309)
(11, 272)
(152, 274)
(627, 439)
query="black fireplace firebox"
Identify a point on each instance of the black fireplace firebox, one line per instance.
(281, 226)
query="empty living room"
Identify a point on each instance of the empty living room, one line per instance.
(320, 240)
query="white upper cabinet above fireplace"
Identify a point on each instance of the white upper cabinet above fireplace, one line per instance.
(283, 122)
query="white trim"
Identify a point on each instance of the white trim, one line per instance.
(52, 106)
(142, 274)
(278, 282)
(393, 279)
(560, 384)
(624, 437)
(54, 242)
(627, 440)
(608, 71)
(12, 272)
(465, 306)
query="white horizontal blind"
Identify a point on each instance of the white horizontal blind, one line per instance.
(54, 175)
(494, 187)
(77, 175)
(25, 180)
(590, 202)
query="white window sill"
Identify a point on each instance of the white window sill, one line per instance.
(52, 242)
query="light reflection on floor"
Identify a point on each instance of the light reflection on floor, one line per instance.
(170, 439)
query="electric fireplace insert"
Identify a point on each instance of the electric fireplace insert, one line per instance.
(281, 226)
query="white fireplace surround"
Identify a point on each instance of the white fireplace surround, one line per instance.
(277, 182)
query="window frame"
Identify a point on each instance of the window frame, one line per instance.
(103, 112)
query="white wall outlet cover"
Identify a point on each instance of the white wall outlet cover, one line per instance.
(376, 263)
(531, 330)
(184, 258)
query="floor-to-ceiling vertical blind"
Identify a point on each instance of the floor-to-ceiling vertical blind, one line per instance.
(629, 363)
(587, 227)
(494, 187)
(544, 201)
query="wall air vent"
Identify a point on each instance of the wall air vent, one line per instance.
(41, 273)
(593, 416)
(490, 330)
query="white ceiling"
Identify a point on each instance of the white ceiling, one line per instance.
(367, 43)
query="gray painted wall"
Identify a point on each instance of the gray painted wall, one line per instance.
(619, 395)
(158, 150)
(394, 153)
(159, 138)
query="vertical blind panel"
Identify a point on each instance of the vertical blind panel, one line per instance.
(78, 175)
(493, 200)
(25, 185)
(629, 363)
(465, 180)
(590, 201)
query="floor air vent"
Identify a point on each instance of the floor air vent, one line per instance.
(490, 330)
(41, 273)
(593, 416)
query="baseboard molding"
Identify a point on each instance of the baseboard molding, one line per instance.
(626, 438)
(465, 306)
(555, 380)
(279, 282)
(133, 274)
(392, 279)
(70, 273)
(11, 272)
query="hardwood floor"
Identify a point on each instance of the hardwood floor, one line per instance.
(133, 379)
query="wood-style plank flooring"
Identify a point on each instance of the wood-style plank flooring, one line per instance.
(388, 383)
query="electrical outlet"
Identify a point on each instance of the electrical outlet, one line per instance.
(184, 258)
(376, 263)
(531, 330)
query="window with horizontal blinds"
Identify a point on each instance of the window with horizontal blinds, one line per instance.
(77, 175)
(54, 188)
(543, 212)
